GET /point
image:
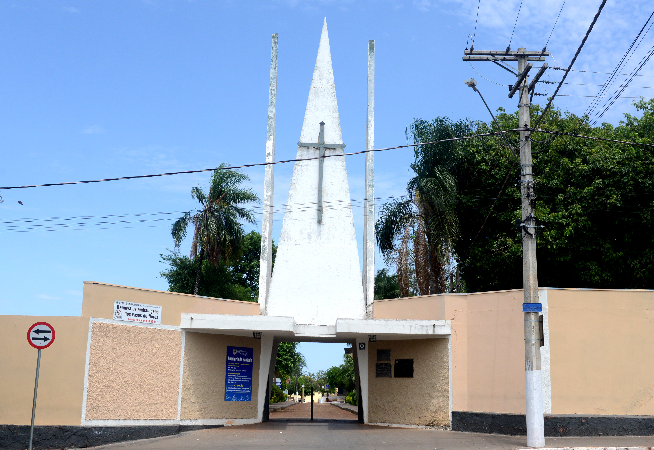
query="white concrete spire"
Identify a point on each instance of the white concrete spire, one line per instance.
(322, 98)
(317, 277)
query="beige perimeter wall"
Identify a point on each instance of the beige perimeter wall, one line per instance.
(61, 382)
(601, 348)
(602, 351)
(133, 372)
(487, 345)
(421, 400)
(203, 387)
(99, 301)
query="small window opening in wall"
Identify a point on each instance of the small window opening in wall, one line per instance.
(403, 368)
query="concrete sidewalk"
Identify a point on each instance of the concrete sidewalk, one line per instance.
(351, 435)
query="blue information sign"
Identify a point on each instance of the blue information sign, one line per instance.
(532, 307)
(238, 374)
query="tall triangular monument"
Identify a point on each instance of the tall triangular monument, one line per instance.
(317, 277)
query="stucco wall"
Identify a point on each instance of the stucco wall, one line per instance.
(602, 351)
(61, 382)
(421, 400)
(496, 352)
(99, 301)
(487, 345)
(203, 385)
(133, 372)
(451, 307)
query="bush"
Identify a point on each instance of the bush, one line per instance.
(351, 398)
(277, 395)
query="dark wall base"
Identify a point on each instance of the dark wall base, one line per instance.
(16, 437)
(555, 425)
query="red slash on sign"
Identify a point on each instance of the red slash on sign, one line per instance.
(41, 335)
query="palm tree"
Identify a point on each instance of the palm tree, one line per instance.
(218, 233)
(417, 233)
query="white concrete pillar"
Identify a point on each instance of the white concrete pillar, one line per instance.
(264, 367)
(265, 263)
(362, 359)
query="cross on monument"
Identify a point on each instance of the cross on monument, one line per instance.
(321, 146)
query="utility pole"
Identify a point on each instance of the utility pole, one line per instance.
(531, 306)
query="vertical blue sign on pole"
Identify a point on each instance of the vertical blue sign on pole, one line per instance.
(238, 374)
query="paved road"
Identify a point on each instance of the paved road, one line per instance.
(320, 411)
(302, 434)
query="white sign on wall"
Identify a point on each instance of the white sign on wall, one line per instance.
(137, 312)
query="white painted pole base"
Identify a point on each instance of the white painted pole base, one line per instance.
(535, 420)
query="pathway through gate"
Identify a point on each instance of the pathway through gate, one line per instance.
(321, 411)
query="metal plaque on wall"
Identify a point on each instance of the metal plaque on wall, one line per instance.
(403, 368)
(383, 370)
(384, 354)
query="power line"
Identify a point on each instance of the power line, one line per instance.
(590, 28)
(514, 25)
(555, 22)
(591, 84)
(243, 166)
(495, 82)
(617, 94)
(463, 138)
(592, 71)
(625, 58)
(562, 133)
(475, 32)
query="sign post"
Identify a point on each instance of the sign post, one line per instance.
(40, 335)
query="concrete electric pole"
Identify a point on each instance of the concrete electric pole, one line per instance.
(531, 306)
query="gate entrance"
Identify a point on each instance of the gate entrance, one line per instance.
(322, 412)
(318, 386)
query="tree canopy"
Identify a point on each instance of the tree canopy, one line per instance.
(341, 376)
(237, 281)
(594, 200)
(290, 361)
(218, 231)
(386, 285)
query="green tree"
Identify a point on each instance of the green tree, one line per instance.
(417, 233)
(237, 281)
(218, 232)
(347, 373)
(334, 377)
(245, 270)
(341, 376)
(386, 286)
(290, 361)
(218, 282)
(594, 200)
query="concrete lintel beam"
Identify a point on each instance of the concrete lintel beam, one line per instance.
(224, 323)
(394, 329)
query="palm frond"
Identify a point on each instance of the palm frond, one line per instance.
(178, 230)
(394, 217)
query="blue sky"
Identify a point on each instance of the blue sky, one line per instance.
(103, 89)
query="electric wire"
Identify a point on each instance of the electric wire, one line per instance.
(132, 177)
(590, 28)
(563, 133)
(620, 90)
(555, 22)
(455, 139)
(514, 25)
(592, 71)
(475, 32)
(495, 82)
(623, 61)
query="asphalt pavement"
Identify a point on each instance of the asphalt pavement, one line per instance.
(301, 433)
